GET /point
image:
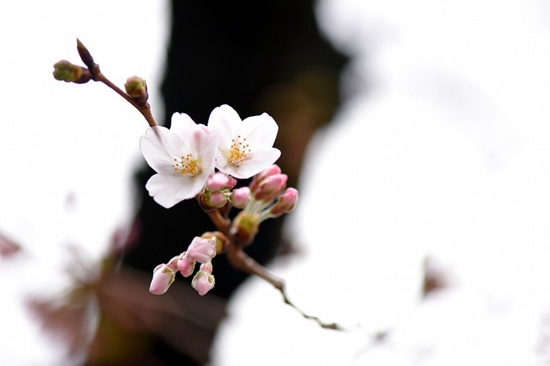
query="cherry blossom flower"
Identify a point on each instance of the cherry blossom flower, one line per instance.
(183, 157)
(245, 148)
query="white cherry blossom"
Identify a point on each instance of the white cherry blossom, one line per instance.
(182, 156)
(245, 148)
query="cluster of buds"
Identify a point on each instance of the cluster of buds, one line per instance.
(201, 250)
(65, 71)
(266, 197)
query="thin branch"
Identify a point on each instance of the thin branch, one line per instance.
(240, 260)
(97, 75)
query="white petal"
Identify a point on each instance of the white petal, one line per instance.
(159, 146)
(224, 120)
(201, 139)
(167, 190)
(259, 130)
(208, 150)
(193, 186)
(249, 168)
(181, 124)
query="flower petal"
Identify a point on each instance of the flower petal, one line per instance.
(180, 124)
(259, 130)
(262, 159)
(223, 120)
(159, 146)
(168, 190)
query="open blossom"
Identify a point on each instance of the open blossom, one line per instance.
(183, 157)
(245, 148)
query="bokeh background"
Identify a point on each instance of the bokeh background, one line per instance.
(416, 133)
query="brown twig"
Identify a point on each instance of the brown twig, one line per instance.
(241, 261)
(97, 75)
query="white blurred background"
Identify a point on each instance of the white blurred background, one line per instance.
(439, 159)
(440, 152)
(67, 151)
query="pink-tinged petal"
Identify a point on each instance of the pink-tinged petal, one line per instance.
(168, 190)
(204, 144)
(159, 147)
(180, 124)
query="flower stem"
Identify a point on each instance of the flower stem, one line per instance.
(240, 260)
(145, 109)
(97, 75)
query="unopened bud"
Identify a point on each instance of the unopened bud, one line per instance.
(203, 282)
(202, 250)
(186, 265)
(163, 276)
(217, 181)
(217, 199)
(285, 202)
(221, 240)
(231, 183)
(136, 87)
(240, 197)
(258, 178)
(66, 71)
(173, 264)
(85, 55)
(270, 187)
(207, 267)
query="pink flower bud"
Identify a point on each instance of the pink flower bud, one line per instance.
(217, 199)
(231, 183)
(271, 187)
(285, 202)
(217, 181)
(186, 265)
(173, 264)
(240, 197)
(203, 282)
(269, 171)
(207, 267)
(163, 276)
(202, 250)
(258, 178)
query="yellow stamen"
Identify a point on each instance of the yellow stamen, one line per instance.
(239, 151)
(187, 165)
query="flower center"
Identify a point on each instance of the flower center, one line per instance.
(239, 151)
(187, 165)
